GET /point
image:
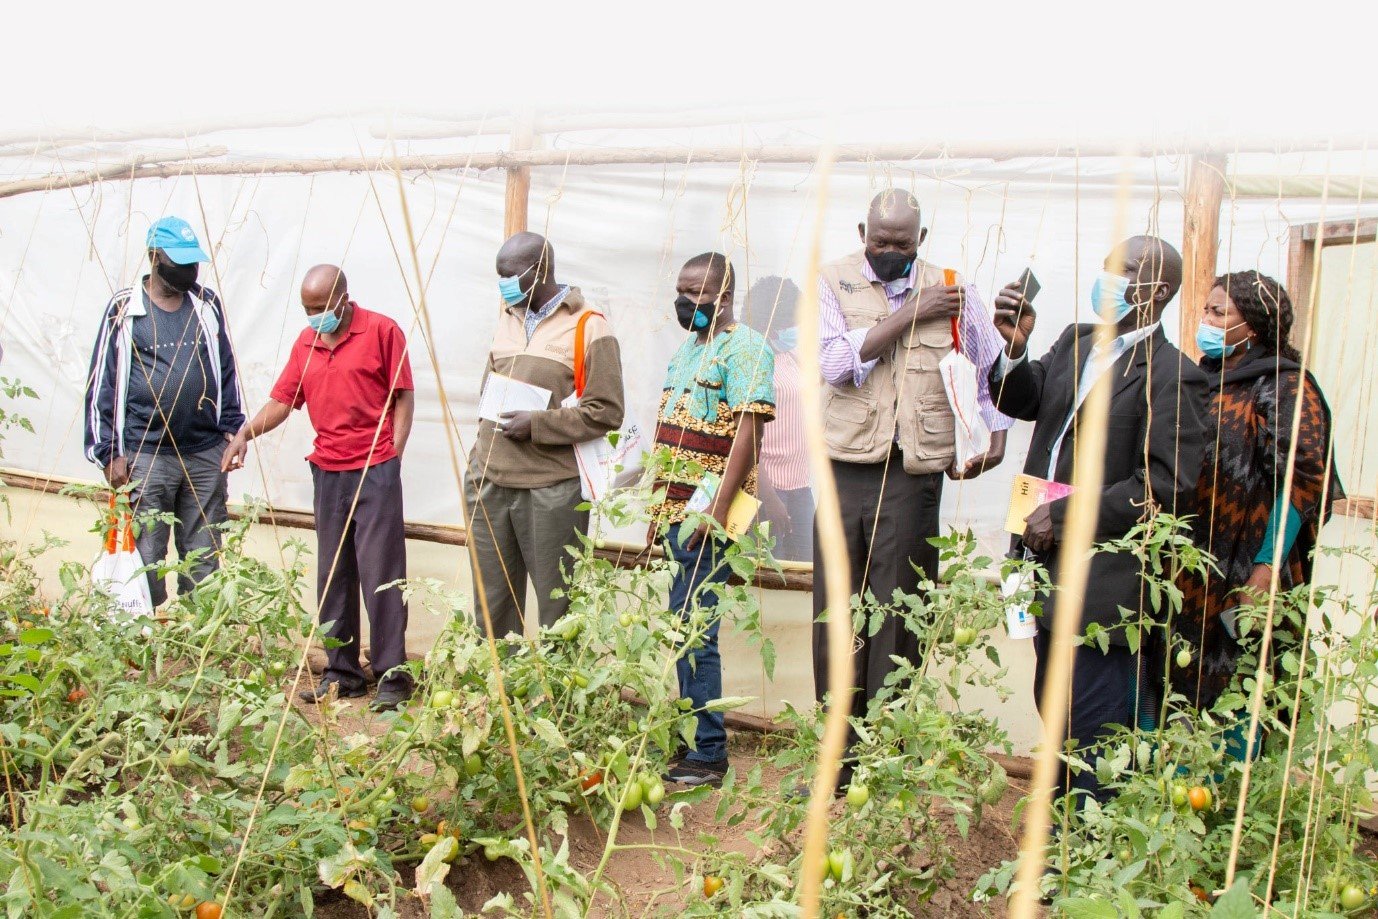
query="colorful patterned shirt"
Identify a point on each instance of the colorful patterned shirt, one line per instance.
(706, 386)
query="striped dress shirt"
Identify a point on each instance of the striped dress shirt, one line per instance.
(840, 348)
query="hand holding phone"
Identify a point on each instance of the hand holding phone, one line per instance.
(1014, 313)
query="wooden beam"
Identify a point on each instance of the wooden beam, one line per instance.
(798, 578)
(517, 203)
(632, 156)
(1200, 242)
(123, 169)
(1304, 240)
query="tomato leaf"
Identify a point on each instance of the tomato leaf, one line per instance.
(1086, 908)
(431, 873)
(1235, 903)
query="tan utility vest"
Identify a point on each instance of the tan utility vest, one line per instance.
(903, 392)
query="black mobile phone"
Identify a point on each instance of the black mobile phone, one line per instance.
(1028, 285)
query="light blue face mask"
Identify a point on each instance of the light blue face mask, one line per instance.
(787, 339)
(1211, 340)
(324, 323)
(1110, 289)
(511, 290)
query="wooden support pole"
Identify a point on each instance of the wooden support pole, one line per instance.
(914, 153)
(516, 206)
(1200, 242)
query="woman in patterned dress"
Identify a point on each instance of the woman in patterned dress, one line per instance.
(1255, 378)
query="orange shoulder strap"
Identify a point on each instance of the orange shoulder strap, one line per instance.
(579, 351)
(950, 278)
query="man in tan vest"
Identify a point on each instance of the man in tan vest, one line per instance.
(885, 322)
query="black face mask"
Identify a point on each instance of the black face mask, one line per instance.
(890, 266)
(180, 278)
(694, 316)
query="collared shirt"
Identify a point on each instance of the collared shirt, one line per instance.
(348, 389)
(534, 319)
(784, 455)
(840, 347)
(1091, 371)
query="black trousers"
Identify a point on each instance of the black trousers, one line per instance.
(1117, 687)
(888, 517)
(366, 552)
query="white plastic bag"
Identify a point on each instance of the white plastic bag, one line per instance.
(117, 572)
(959, 381)
(600, 460)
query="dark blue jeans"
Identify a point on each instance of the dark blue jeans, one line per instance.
(700, 670)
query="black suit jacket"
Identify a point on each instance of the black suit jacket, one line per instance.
(1153, 452)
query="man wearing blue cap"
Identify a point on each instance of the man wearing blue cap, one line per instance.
(163, 398)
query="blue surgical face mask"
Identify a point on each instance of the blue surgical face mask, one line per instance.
(1111, 288)
(511, 290)
(324, 323)
(1211, 340)
(787, 339)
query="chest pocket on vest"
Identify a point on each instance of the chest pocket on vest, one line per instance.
(927, 345)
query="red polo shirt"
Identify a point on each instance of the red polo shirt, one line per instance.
(346, 389)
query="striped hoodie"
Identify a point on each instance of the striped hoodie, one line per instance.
(107, 386)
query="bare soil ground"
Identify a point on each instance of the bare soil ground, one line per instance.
(648, 885)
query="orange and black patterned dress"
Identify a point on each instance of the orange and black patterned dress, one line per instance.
(1249, 435)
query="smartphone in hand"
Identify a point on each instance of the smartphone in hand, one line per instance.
(1028, 285)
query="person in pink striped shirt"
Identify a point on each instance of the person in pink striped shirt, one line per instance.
(886, 320)
(786, 495)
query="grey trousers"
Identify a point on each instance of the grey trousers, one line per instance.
(196, 495)
(516, 533)
(366, 550)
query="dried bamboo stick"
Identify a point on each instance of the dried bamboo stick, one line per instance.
(1074, 569)
(833, 547)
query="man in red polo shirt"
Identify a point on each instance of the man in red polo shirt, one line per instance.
(349, 368)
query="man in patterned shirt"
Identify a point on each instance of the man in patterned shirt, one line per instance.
(718, 396)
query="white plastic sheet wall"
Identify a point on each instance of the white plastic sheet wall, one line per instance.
(619, 233)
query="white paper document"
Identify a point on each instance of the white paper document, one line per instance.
(504, 394)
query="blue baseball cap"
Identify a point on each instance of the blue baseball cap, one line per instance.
(177, 240)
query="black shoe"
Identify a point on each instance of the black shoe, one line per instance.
(390, 698)
(325, 687)
(694, 773)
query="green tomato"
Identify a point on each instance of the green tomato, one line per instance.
(567, 629)
(600, 543)
(964, 636)
(491, 852)
(1179, 795)
(278, 668)
(858, 795)
(580, 680)
(442, 699)
(631, 797)
(625, 620)
(655, 793)
(1352, 897)
(1183, 659)
(473, 765)
(837, 864)
(420, 804)
(179, 758)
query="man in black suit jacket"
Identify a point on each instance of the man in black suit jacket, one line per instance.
(1153, 455)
